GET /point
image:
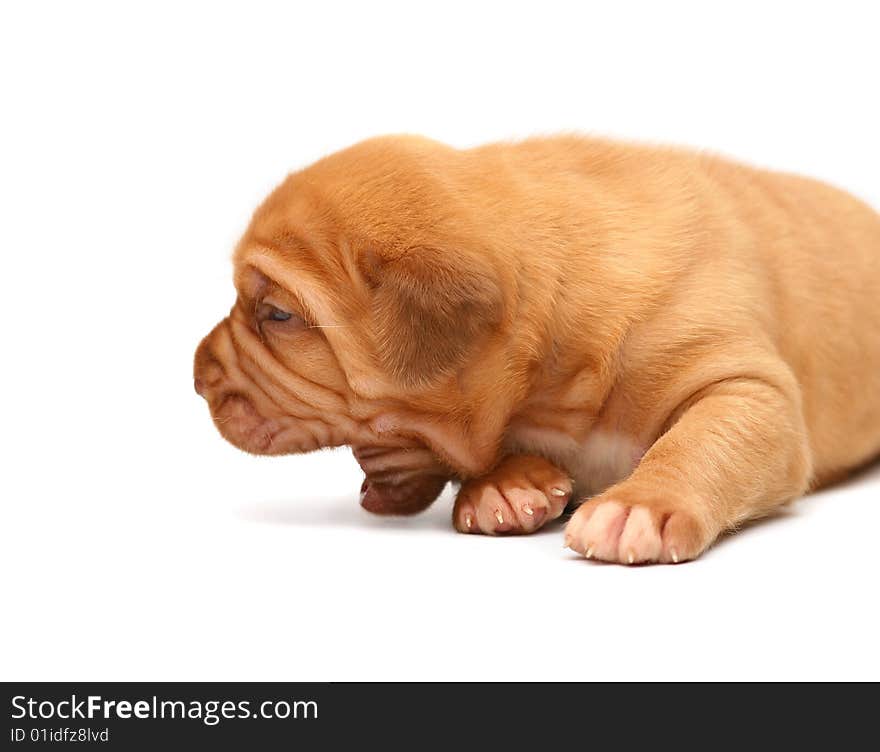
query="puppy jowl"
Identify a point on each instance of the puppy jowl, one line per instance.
(670, 342)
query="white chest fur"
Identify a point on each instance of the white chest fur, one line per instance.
(597, 462)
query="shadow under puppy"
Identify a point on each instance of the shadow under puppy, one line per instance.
(685, 342)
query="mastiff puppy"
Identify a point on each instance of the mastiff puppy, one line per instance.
(676, 341)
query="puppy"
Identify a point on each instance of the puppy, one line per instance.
(684, 342)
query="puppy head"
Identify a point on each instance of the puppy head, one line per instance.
(368, 299)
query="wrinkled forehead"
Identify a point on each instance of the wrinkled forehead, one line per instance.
(264, 271)
(293, 239)
(313, 274)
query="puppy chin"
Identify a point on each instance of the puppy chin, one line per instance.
(405, 498)
(402, 479)
(241, 425)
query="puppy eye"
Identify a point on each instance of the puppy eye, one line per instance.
(276, 314)
(268, 312)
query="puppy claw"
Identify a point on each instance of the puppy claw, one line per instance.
(589, 552)
(627, 533)
(468, 521)
(519, 496)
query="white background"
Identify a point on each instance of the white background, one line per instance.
(136, 544)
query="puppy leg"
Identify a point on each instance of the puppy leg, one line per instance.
(518, 496)
(737, 450)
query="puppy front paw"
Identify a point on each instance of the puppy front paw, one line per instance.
(517, 497)
(629, 528)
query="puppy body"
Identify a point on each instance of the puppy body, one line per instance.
(688, 341)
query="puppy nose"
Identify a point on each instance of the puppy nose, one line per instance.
(199, 386)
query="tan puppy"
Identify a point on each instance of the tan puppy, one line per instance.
(686, 342)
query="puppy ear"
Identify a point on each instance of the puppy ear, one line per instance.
(430, 308)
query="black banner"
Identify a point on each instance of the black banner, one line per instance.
(135, 716)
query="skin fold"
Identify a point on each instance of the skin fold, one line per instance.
(679, 342)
